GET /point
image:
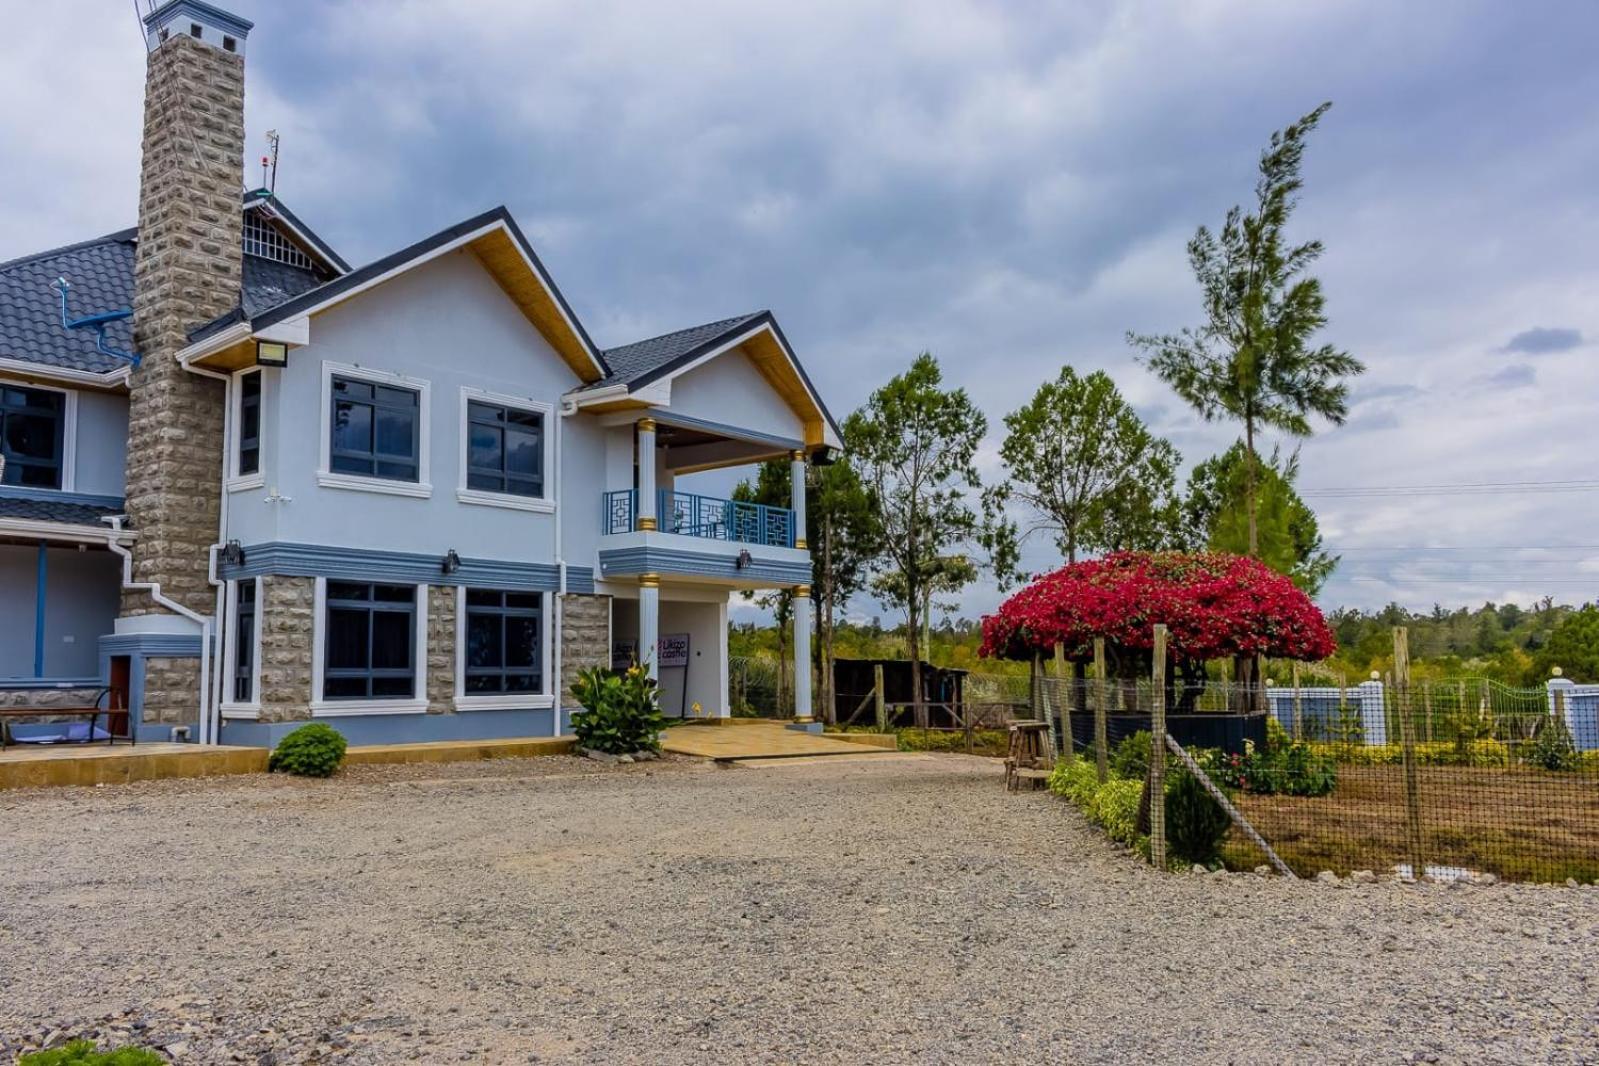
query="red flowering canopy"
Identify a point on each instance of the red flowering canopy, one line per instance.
(1214, 605)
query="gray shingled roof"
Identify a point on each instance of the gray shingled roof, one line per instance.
(71, 514)
(639, 358)
(101, 275)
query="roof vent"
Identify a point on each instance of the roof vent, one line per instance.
(265, 241)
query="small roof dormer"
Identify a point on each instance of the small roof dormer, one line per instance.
(195, 18)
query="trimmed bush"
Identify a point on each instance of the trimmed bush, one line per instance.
(1112, 806)
(1131, 757)
(1195, 823)
(313, 750)
(621, 711)
(84, 1053)
(1552, 748)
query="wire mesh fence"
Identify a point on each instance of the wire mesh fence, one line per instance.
(1443, 779)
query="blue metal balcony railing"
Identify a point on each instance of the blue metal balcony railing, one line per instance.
(692, 515)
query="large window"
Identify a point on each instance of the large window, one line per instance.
(505, 449)
(244, 622)
(504, 642)
(249, 424)
(370, 642)
(376, 430)
(32, 436)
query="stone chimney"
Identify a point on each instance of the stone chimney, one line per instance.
(186, 273)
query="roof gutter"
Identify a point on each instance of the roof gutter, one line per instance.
(33, 529)
(234, 334)
(66, 375)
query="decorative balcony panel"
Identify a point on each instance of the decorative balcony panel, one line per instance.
(689, 514)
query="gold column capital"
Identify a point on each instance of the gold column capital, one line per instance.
(649, 581)
(802, 591)
(799, 542)
(646, 425)
(647, 523)
(797, 455)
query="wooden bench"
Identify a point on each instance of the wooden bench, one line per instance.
(91, 713)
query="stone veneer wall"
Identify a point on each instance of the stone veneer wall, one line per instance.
(48, 697)
(441, 649)
(288, 625)
(186, 273)
(171, 691)
(585, 638)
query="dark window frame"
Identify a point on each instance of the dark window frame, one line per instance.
(370, 462)
(371, 600)
(500, 609)
(492, 416)
(249, 456)
(18, 463)
(246, 613)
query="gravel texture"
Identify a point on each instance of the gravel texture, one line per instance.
(880, 909)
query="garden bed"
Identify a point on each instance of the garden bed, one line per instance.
(1515, 822)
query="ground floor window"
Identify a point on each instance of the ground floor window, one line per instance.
(504, 642)
(370, 643)
(244, 623)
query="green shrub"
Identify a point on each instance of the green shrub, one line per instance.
(1195, 823)
(313, 750)
(84, 1053)
(621, 711)
(1293, 770)
(1131, 756)
(1552, 748)
(1276, 736)
(1112, 806)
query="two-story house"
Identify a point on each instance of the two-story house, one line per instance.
(248, 485)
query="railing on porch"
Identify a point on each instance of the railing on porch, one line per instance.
(692, 515)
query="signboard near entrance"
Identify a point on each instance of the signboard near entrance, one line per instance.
(673, 650)
(623, 653)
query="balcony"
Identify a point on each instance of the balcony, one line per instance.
(706, 517)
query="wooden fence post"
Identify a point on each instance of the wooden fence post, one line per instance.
(1101, 702)
(877, 691)
(1407, 738)
(1157, 755)
(1040, 702)
(1063, 699)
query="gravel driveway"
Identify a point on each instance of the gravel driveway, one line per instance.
(876, 909)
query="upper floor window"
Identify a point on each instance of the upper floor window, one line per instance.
(376, 430)
(505, 449)
(249, 424)
(32, 436)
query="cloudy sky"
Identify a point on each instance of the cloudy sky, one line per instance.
(1007, 185)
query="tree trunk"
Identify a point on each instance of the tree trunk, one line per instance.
(915, 634)
(782, 666)
(1249, 487)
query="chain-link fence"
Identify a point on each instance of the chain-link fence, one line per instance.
(1444, 779)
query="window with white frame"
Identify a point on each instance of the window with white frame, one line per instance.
(36, 436)
(507, 458)
(247, 428)
(243, 637)
(374, 431)
(369, 649)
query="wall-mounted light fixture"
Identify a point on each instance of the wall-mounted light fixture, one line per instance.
(452, 562)
(271, 353)
(744, 561)
(233, 553)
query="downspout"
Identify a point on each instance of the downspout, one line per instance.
(567, 409)
(154, 589)
(211, 667)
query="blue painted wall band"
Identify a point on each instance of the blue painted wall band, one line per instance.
(411, 568)
(629, 561)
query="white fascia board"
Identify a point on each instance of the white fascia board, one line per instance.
(66, 375)
(295, 331)
(61, 531)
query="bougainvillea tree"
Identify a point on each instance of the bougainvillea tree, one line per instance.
(1214, 605)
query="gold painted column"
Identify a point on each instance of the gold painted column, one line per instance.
(796, 476)
(646, 474)
(649, 623)
(803, 710)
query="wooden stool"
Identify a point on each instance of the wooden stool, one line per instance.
(1026, 759)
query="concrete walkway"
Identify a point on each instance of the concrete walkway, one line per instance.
(756, 739)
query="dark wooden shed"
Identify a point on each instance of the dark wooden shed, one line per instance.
(943, 691)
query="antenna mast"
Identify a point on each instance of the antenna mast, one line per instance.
(272, 142)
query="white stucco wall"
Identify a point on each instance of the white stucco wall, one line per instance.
(704, 619)
(446, 323)
(730, 390)
(102, 445)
